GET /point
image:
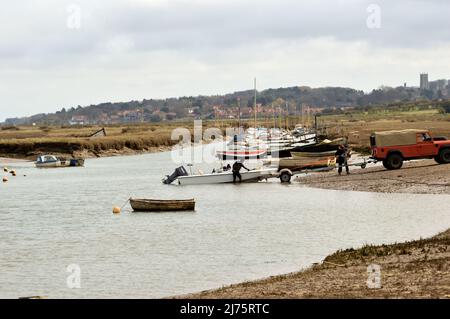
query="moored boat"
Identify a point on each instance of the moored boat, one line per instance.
(324, 146)
(158, 205)
(241, 154)
(47, 161)
(218, 177)
(51, 161)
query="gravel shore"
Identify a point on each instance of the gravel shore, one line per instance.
(417, 177)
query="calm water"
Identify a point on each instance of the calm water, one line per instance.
(52, 218)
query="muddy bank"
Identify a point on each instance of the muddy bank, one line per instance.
(417, 269)
(125, 144)
(82, 154)
(6, 160)
(113, 152)
(419, 177)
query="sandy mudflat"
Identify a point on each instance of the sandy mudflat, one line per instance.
(418, 269)
(4, 160)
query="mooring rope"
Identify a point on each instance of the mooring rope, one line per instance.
(125, 204)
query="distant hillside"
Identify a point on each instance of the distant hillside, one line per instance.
(269, 102)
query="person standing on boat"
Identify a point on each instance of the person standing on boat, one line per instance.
(237, 166)
(341, 159)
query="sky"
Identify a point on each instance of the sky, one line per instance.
(58, 53)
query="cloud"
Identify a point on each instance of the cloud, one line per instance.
(41, 27)
(139, 49)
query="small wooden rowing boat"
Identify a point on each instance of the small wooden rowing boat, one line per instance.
(157, 205)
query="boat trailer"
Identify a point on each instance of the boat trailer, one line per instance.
(364, 163)
(285, 174)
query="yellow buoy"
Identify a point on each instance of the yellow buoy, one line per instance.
(5, 179)
(116, 210)
(13, 173)
(5, 169)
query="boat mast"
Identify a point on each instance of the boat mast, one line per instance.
(239, 113)
(273, 115)
(280, 118)
(287, 116)
(254, 106)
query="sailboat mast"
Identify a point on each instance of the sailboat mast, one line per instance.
(239, 113)
(254, 105)
(273, 114)
(287, 116)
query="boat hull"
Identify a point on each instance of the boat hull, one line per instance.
(317, 148)
(280, 153)
(48, 164)
(154, 205)
(79, 162)
(300, 164)
(313, 154)
(245, 155)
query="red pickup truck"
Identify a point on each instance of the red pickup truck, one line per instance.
(395, 147)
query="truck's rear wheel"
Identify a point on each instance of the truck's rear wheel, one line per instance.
(394, 161)
(438, 159)
(444, 156)
(285, 177)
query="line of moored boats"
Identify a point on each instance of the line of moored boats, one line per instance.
(283, 154)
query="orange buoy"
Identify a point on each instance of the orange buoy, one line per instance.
(116, 210)
(5, 179)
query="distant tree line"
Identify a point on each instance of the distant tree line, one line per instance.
(333, 98)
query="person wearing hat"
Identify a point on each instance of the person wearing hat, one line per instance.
(341, 158)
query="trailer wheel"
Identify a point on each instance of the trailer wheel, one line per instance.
(394, 161)
(363, 166)
(444, 156)
(285, 177)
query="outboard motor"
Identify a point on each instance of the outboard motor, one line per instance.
(180, 171)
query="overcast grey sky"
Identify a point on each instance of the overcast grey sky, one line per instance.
(57, 53)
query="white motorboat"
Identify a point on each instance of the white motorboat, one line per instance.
(47, 161)
(227, 177)
(51, 161)
(220, 177)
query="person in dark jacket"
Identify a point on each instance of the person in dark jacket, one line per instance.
(237, 166)
(341, 158)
